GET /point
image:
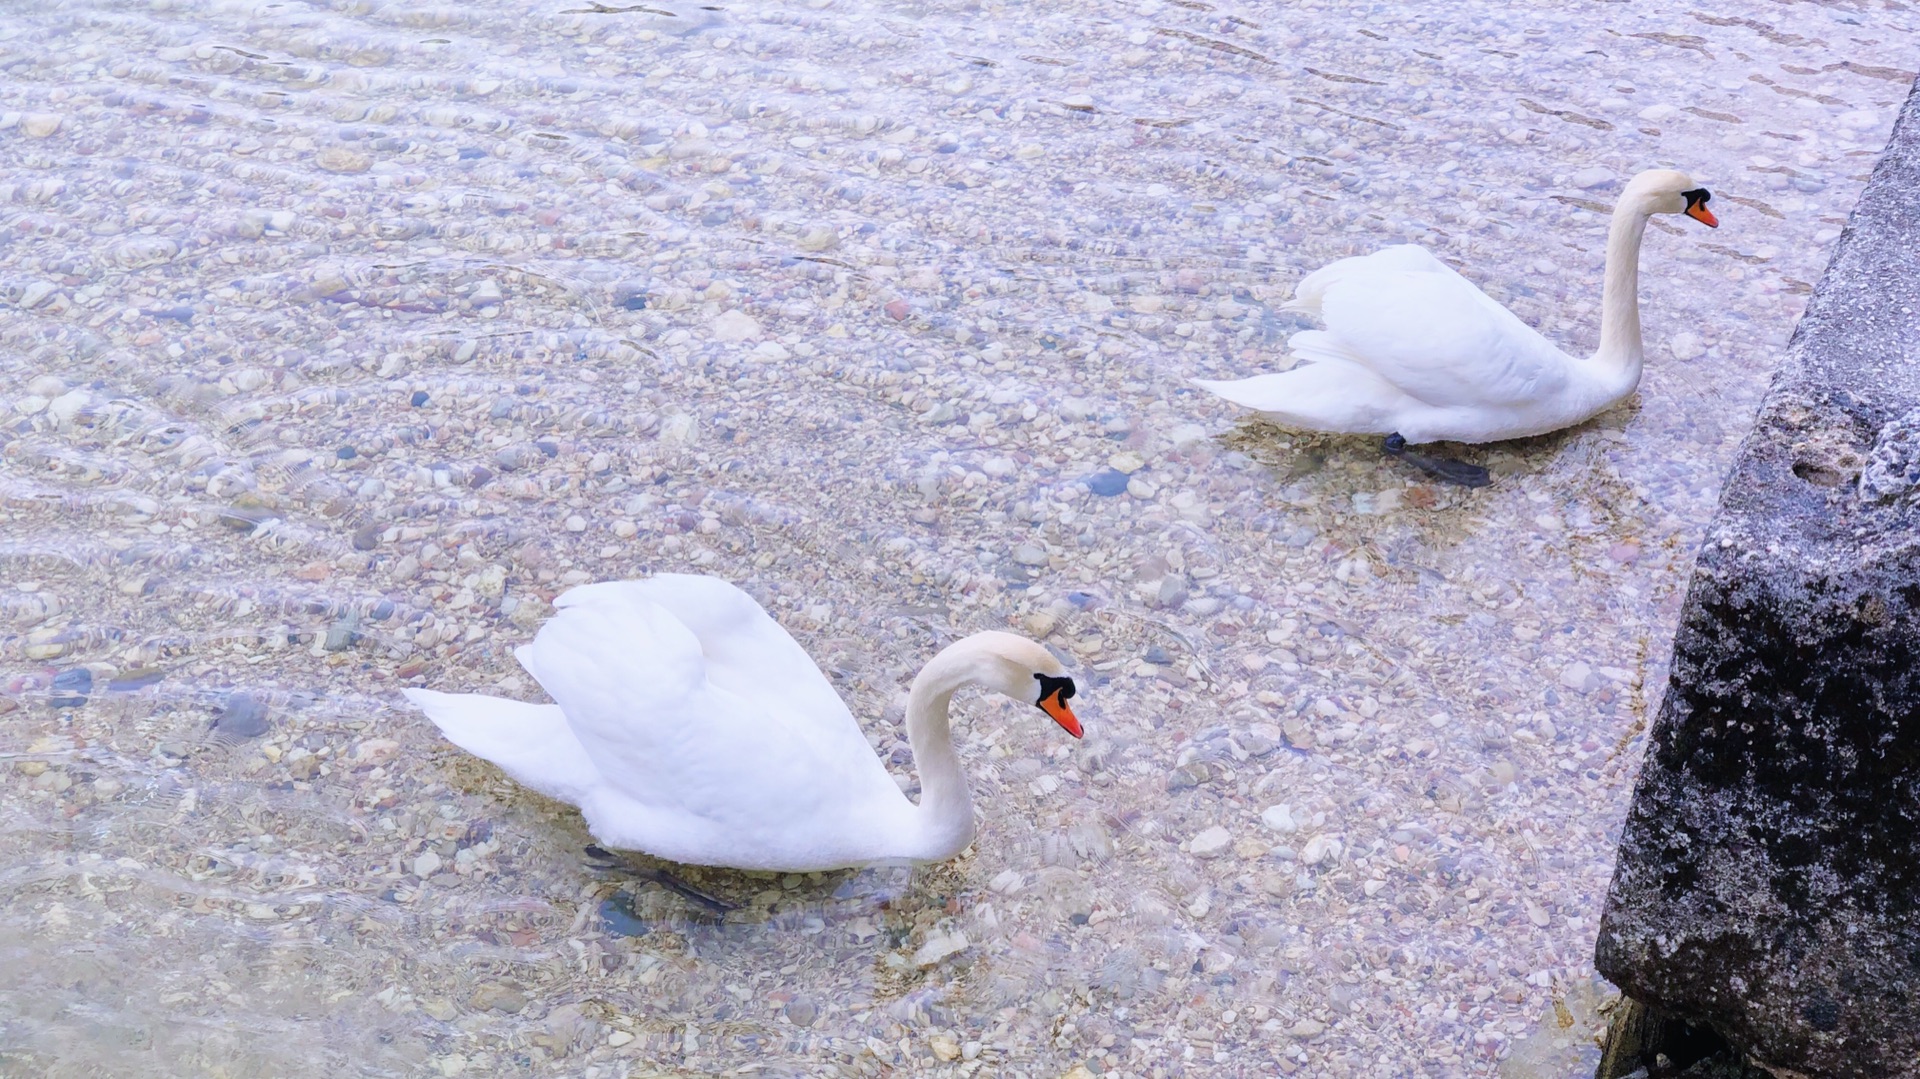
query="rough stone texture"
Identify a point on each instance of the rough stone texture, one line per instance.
(1768, 883)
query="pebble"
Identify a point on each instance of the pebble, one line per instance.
(1279, 818)
(1589, 178)
(1107, 483)
(135, 680)
(426, 865)
(67, 406)
(502, 997)
(1260, 739)
(48, 643)
(944, 1046)
(1299, 735)
(568, 1027)
(1029, 555)
(36, 294)
(375, 751)
(343, 633)
(1686, 346)
(1171, 593)
(939, 946)
(242, 716)
(341, 159)
(1188, 776)
(801, 1012)
(71, 688)
(40, 125)
(515, 457)
(735, 326)
(1319, 849)
(1578, 677)
(1211, 842)
(618, 918)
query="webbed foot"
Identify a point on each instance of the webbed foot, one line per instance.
(601, 858)
(1444, 469)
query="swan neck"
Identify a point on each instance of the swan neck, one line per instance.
(1620, 344)
(946, 804)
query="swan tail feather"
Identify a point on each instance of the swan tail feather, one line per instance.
(1329, 395)
(530, 742)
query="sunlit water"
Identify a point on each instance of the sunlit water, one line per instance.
(339, 337)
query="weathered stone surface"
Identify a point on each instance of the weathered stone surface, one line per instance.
(1768, 882)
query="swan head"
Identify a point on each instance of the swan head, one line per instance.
(1022, 669)
(1668, 191)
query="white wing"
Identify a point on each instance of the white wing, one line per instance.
(706, 711)
(746, 651)
(1422, 327)
(1312, 289)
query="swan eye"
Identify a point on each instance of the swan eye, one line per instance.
(1699, 196)
(1049, 685)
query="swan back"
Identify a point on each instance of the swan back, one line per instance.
(741, 646)
(718, 740)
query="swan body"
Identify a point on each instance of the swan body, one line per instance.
(687, 724)
(1412, 348)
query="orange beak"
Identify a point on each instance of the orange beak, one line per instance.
(1061, 714)
(1699, 212)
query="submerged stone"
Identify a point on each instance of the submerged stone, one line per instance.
(1107, 483)
(618, 918)
(243, 716)
(71, 687)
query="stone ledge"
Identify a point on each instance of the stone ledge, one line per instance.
(1768, 880)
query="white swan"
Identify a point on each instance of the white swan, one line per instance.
(690, 726)
(1413, 351)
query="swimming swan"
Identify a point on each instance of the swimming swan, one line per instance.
(690, 726)
(1414, 351)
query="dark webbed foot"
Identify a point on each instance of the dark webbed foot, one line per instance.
(601, 858)
(1444, 469)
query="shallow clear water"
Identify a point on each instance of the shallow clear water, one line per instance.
(338, 337)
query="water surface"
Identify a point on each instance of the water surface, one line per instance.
(339, 337)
